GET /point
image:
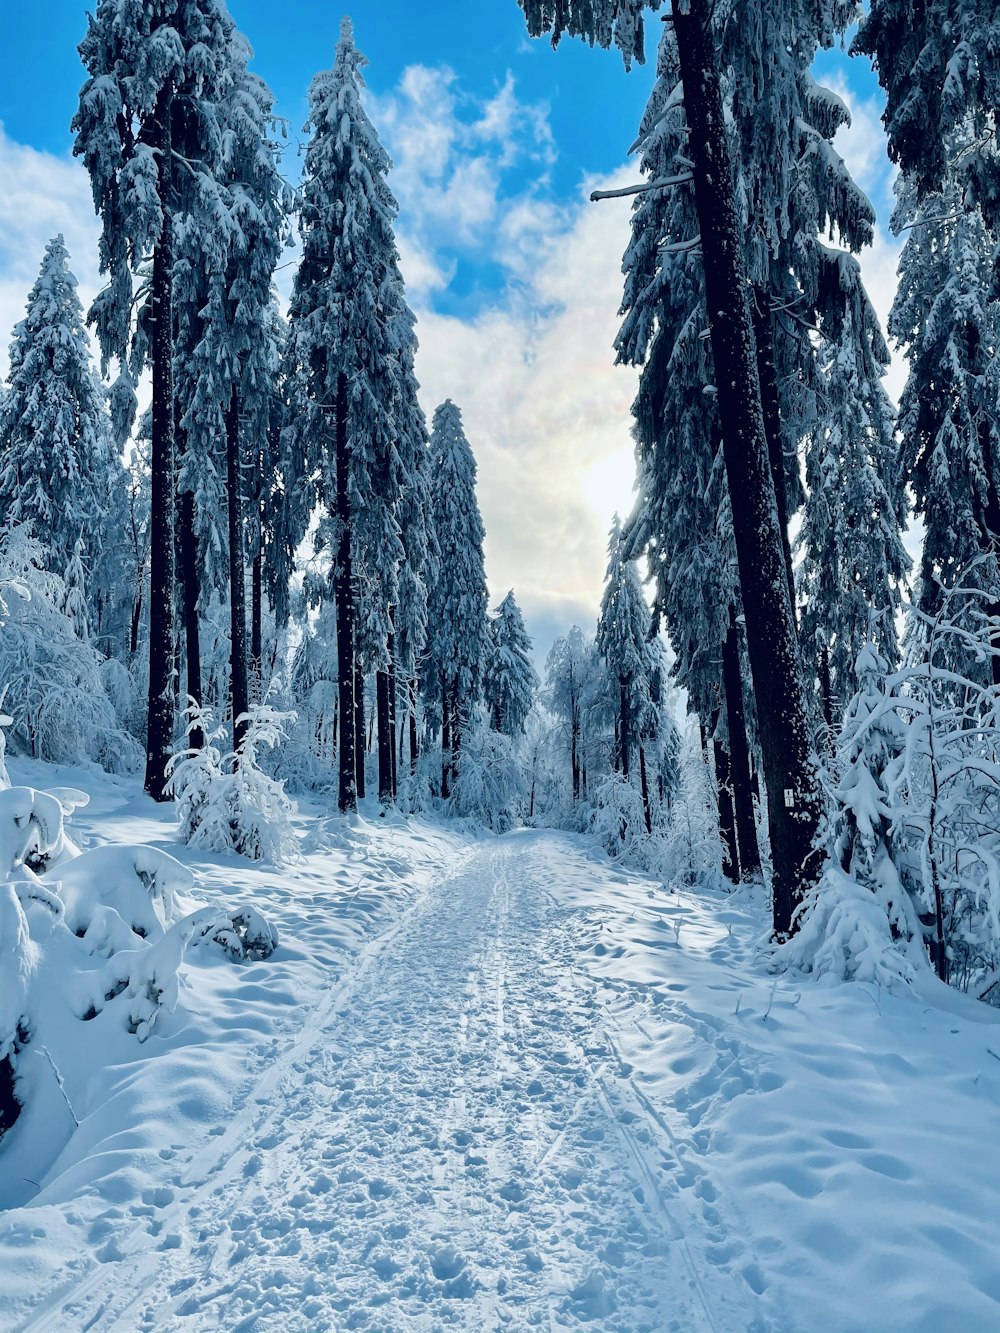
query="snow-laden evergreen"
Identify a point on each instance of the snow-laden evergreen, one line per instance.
(511, 681)
(60, 473)
(350, 353)
(853, 562)
(945, 316)
(458, 648)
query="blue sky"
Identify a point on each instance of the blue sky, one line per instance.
(514, 276)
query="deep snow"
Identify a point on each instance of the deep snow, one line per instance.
(499, 1084)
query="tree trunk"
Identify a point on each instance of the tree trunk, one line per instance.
(826, 693)
(414, 741)
(724, 801)
(644, 787)
(190, 588)
(160, 712)
(793, 796)
(445, 739)
(739, 751)
(386, 739)
(360, 748)
(575, 753)
(393, 692)
(136, 622)
(625, 725)
(347, 789)
(456, 732)
(763, 331)
(237, 573)
(257, 628)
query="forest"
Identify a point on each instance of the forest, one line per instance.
(240, 561)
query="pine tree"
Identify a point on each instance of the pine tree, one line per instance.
(343, 345)
(458, 643)
(510, 680)
(160, 72)
(950, 430)
(854, 559)
(624, 641)
(939, 64)
(58, 468)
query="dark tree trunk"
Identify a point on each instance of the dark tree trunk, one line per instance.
(763, 330)
(187, 551)
(347, 789)
(257, 628)
(575, 752)
(360, 748)
(445, 739)
(237, 573)
(826, 692)
(457, 720)
(739, 751)
(793, 796)
(386, 739)
(724, 800)
(136, 622)
(160, 715)
(644, 787)
(393, 692)
(414, 740)
(625, 725)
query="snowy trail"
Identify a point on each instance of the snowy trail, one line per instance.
(451, 1142)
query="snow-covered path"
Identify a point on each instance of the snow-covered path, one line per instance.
(451, 1142)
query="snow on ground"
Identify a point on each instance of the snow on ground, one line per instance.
(501, 1083)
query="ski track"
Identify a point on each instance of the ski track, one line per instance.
(452, 1141)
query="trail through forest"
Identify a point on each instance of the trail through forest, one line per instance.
(454, 1143)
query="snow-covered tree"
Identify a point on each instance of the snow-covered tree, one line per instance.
(570, 669)
(510, 680)
(151, 128)
(458, 635)
(344, 346)
(854, 560)
(944, 316)
(59, 470)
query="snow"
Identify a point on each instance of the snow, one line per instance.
(483, 1083)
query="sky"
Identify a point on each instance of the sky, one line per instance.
(514, 276)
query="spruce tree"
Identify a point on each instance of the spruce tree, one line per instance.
(59, 470)
(160, 72)
(631, 657)
(511, 680)
(343, 345)
(458, 639)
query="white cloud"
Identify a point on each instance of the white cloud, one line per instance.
(546, 410)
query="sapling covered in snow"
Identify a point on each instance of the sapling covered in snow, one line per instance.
(491, 782)
(227, 802)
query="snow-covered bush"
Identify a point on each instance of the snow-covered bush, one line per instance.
(914, 828)
(617, 819)
(489, 784)
(226, 801)
(55, 688)
(60, 908)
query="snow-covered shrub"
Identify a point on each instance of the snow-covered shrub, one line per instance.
(55, 689)
(617, 818)
(124, 904)
(226, 801)
(845, 934)
(915, 818)
(489, 784)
